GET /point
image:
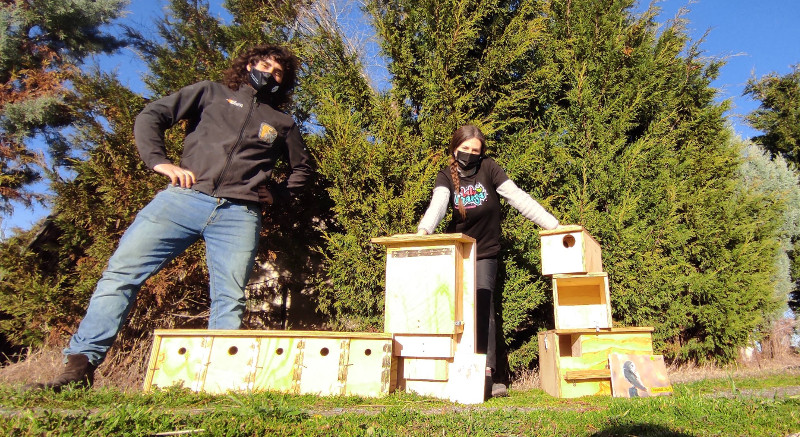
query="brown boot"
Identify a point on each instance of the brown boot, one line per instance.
(79, 372)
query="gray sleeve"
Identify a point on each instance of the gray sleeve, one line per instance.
(525, 204)
(436, 210)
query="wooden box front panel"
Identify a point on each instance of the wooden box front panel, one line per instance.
(421, 285)
(279, 366)
(178, 361)
(425, 369)
(324, 361)
(423, 346)
(369, 369)
(231, 365)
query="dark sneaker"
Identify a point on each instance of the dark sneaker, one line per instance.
(499, 391)
(79, 372)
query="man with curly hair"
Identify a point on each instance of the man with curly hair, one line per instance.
(235, 133)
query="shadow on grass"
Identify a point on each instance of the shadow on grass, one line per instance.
(639, 429)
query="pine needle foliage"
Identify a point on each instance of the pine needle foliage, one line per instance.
(610, 121)
(778, 116)
(109, 184)
(602, 114)
(375, 174)
(43, 43)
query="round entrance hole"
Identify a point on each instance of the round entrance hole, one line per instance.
(569, 241)
(324, 352)
(182, 351)
(233, 350)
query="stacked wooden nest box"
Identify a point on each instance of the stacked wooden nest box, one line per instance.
(573, 357)
(428, 346)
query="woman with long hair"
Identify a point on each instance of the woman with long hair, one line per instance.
(475, 183)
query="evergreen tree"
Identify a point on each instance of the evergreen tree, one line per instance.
(91, 210)
(43, 43)
(775, 180)
(779, 114)
(374, 169)
(612, 124)
(778, 117)
(604, 116)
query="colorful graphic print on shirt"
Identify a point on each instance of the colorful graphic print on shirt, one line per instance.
(473, 195)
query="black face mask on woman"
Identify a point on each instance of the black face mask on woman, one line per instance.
(468, 161)
(262, 82)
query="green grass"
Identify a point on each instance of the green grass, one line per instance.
(695, 409)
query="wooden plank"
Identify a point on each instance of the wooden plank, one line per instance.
(588, 387)
(414, 239)
(598, 343)
(436, 389)
(423, 346)
(620, 330)
(267, 333)
(574, 280)
(152, 363)
(324, 366)
(460, 266)
(563, 229)
(583, 316)
(574, 375)
(465, 340)
(593, 258)
(548, 363)
(425, 369)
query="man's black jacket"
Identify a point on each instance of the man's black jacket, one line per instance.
(232, 139)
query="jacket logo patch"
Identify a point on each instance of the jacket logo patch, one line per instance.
(235, 103)
(267, 133)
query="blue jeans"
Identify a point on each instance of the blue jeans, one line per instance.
(170, 223)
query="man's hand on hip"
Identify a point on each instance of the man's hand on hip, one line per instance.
(177, 176)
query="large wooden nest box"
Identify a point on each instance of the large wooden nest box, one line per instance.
(430, 311)
(569, 249)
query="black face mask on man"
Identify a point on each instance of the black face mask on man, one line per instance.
(262, 82)
(468, 161)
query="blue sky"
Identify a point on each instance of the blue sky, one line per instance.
(757, 37)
